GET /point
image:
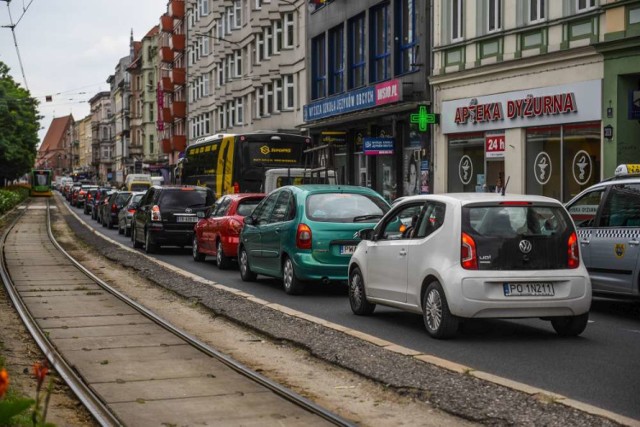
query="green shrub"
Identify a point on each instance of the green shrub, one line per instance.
(11, 196)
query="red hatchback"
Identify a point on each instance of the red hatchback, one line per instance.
(217, 233)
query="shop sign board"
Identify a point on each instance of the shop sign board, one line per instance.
(570, 103)
(374, 146)
(355, 100)
(494, 146)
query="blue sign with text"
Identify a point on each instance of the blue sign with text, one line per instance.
(378, 146)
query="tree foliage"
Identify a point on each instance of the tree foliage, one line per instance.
(19, 125)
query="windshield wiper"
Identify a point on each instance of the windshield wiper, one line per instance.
(366, 217)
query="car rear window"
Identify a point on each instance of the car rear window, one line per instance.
(498, 231)
(345, 207)
(245, 207)
(140, 186)
(184, 198)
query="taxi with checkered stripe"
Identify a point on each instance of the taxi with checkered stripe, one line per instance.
(607, 216)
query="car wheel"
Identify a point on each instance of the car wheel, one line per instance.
(109, 223)
(127, 231)
(223, 261)
(438, 320)
(245, 270)
(120, 230)
(357, 294)
(197, 255)
(292, 285)
(570, 326)
(134, 238)
(149, 246)
(103, 222)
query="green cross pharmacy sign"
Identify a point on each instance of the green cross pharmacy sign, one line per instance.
(423, 118)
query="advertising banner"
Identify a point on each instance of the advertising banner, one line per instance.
(378, 146)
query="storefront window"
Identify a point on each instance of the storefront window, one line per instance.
(386, 178)
(466, 162)
(562, 160)
(581, 157)
(543, 161)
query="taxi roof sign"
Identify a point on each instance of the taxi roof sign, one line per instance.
(627, 169)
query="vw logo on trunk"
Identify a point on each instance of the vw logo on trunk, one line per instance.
(525, 246)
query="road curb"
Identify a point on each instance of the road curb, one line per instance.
(387, 345)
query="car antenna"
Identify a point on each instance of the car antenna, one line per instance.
(504, 187)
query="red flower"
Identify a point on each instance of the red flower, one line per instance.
(4, 382)
(40, 370)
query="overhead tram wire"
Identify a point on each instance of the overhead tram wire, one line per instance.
(12, 26)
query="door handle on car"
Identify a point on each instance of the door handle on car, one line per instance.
(402, 252)
(634, 242)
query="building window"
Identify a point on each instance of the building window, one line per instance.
(151, 147)
(407, 36)
(237, 13)
(336, 60)
(456, 20)
(203, 7)
(279, 96)
(221, 117)
(259, 48)
(240, 111)
(288, 30)
(536, 10)
(380, 43)
(583, 5)
(288, 91)
(634, 16)
(357, 59)
(277, 36)
(238, 63)
(268, 41)
(259, 102)
(268, 98)
(318, 67)
(495, 15)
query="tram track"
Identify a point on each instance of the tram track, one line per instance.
(80, 322)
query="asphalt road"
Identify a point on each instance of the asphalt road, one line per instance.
(601, 367)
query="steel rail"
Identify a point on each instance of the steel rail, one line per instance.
(89, 399)
(280, 390)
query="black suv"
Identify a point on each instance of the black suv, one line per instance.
(166, 216)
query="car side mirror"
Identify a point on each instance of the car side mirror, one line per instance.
(201, 214)
(366, 234)
(250, 220)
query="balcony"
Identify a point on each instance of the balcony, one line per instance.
(179, 142)
(167, 117)
(166, 23)
(179, 109)
(166, 84)
(178, 76)
(166, 146)
(135, 150)
(166, 54)
(176, 9)
(177, 42)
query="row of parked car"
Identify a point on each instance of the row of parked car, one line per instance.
(447, 257)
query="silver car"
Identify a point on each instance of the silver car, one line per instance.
(607, 216)
(126, 213)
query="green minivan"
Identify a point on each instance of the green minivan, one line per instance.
(304, 233)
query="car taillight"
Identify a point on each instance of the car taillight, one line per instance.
(114, 208)
(468, 255)
(155, 213)
(303, 237)
(573, 251)
(82, 192)
(236, 187)
(132, 211)
(235, 226)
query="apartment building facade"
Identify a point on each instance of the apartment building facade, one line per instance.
(83, 130)
(246, 66)
(368, 64)
(102, 133)
(519, 88)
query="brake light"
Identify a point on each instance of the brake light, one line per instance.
(236, 187)
(573, 251)
(235, 226)
(514, 203)
(303, 237)
(468, 255)
(114, 207)
(131, 211)
(155, 213)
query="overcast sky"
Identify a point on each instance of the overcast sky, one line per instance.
(70, 47)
